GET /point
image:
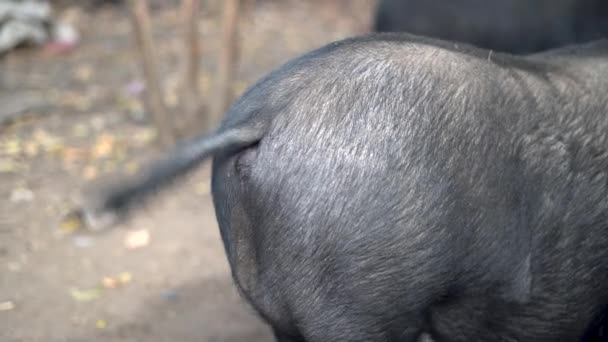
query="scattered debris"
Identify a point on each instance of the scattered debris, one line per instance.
(100, 324)
(21, 195)
(47, 141)
(71, 222)
(83, 241)
(104, 146)
(110, 283)
(115, 282)
(7, 306)
(137, 239)
(86, 295)
(125, 277)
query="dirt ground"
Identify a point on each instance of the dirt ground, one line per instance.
(86, 121)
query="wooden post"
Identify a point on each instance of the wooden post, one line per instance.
(227, 58)
(190, 87)
(143, 32)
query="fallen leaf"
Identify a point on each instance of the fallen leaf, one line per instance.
(103, 146)
(20, 195)
(110, 283)
(86, 295)
(137, 239)
(125, 278)
(48, 142)
(11, 147)
(71, 223)
(115, 282)
(7, 306)
(100, 324)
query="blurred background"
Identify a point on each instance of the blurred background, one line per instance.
(90, 88)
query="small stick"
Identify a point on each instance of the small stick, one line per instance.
(143, 33)
(227, 57)
(191, 89)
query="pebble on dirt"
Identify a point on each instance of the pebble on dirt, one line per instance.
(137, 239)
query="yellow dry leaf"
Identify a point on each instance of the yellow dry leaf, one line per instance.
(11, 147)
(101, 324)
(103, 146)
(125, 278)
(85, 295)
(71, 223)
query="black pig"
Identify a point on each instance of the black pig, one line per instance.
(513, 26)
(389, 185)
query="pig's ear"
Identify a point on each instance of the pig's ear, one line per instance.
(519, 289)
